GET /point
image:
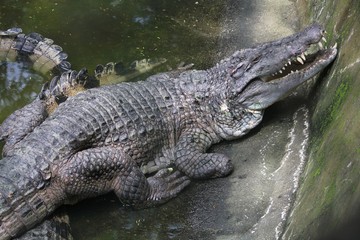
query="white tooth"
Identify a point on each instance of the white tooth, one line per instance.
(324, 39)
(283, 68)
(289, 62)
(300, 60)
(285, 65)
(280, 71)
(320, 46)
(335, 45)
(303, 56)
(292, 71)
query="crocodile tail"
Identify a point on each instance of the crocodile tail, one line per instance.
(57, 227)
(16, 126)
(38, 50)
(45, 57)
(21, 122)
(67, 84)
(112, 72)
(25, 199)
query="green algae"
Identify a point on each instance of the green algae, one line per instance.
(327, 116)
(330, 194)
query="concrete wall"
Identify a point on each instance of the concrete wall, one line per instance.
(327, 203)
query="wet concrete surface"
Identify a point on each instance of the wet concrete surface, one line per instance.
(254, 202)
(269, 162)
(327, 204)
(247, 23)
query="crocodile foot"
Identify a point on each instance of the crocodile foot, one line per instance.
(166, 184)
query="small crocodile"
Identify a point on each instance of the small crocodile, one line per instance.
(98, 140)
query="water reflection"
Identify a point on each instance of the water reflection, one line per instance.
(18, 85)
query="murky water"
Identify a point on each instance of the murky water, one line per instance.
(97, 32)
(18, 85)
(94, 32)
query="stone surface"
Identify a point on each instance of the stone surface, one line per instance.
(328, 203)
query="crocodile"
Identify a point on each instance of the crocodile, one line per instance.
(99, 140)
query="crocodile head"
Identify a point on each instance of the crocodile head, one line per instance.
(270, 71)
(258, 77)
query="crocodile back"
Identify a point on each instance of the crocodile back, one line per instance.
(137, 117)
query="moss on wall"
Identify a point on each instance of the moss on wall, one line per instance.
(330, 193)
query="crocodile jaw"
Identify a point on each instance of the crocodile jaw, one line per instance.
(269, 59)
(269, 72)
(260, 94)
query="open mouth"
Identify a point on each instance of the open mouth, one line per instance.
(314, 55)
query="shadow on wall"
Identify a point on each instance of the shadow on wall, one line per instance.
(328, 203)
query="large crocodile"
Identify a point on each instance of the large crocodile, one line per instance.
(96, 141)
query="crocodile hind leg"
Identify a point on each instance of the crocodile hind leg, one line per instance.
(194, 162)
(93, 172)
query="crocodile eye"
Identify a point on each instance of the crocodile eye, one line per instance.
(256, 60)
(237, 71)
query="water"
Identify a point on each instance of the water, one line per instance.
(94, 32)
(18, 85)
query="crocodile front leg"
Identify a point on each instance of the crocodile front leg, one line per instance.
(97, 171)
(194, 162)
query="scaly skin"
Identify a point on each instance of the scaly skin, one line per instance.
(45, 57)
(57, 227)
(96, 141)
